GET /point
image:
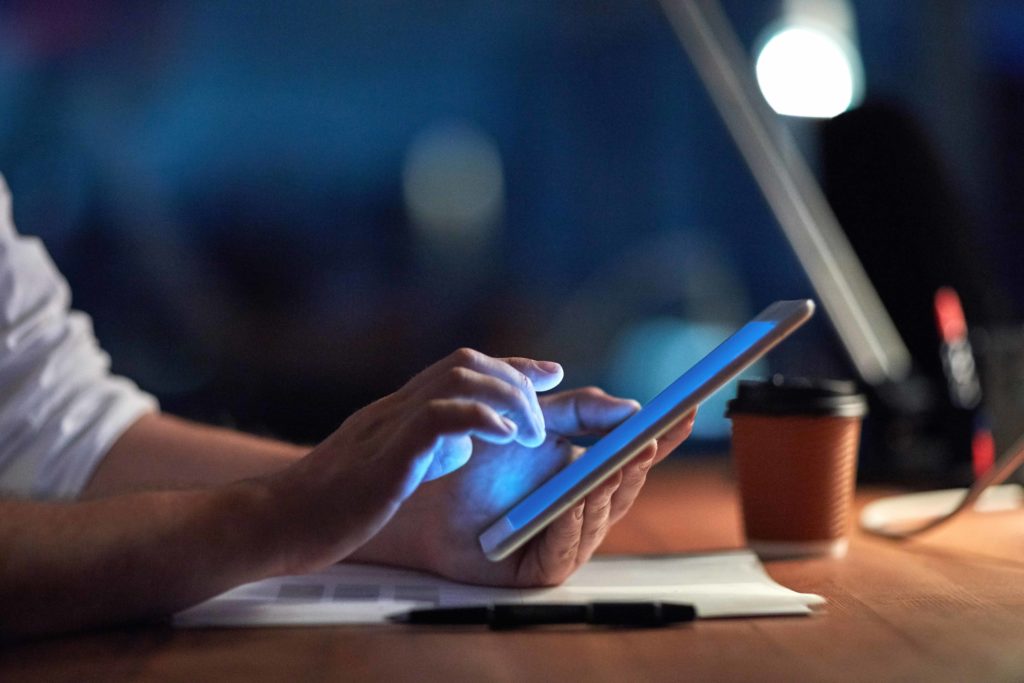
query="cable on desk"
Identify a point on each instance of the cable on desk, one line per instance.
(891, 517)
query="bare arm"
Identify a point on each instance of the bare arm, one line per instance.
(65, 566)
(165, 452)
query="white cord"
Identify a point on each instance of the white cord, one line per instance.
(900, 517)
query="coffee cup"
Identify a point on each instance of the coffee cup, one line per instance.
(794, 449)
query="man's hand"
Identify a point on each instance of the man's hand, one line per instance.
(438, 526)
(348, 487)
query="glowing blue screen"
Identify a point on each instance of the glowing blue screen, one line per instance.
(660, 406)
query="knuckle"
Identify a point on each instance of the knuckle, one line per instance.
(635, 476)
(478, 412)
(570, 550)
(600, 508)
(520, 401)
(458, 377)
(597, 532)
(592, 392)
(501, 390)
(432, 412)
(465, 356)
(577, 515)
(523, 382)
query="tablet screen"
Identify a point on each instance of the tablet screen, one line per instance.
(748, 336)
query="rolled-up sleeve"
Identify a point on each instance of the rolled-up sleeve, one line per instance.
(60, 407)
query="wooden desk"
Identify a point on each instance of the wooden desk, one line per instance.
(947, 608)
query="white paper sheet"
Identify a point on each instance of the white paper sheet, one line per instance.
(725, 584)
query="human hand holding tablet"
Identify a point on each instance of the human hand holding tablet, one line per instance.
(568, 486)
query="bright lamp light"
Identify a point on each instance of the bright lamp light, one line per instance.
(810, 72)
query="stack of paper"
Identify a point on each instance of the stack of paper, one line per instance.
(726, 584)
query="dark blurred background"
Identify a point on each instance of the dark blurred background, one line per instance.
(277, 212)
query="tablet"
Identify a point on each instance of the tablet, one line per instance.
(569, 485)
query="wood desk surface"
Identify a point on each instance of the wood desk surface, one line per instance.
(949, 607)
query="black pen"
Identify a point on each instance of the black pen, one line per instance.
(510, 616)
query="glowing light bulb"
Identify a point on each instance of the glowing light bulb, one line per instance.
(810, 72)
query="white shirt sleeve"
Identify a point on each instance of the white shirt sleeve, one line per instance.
(60, 408)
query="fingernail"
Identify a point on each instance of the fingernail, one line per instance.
(510, 426)
(549, 367)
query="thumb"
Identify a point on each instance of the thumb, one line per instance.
(585, 411)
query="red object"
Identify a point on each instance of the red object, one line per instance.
(983, 452)
(949, 315)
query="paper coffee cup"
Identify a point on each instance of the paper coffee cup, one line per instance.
(794, 447)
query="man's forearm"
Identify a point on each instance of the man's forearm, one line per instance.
(165, 452)
(66, 566)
